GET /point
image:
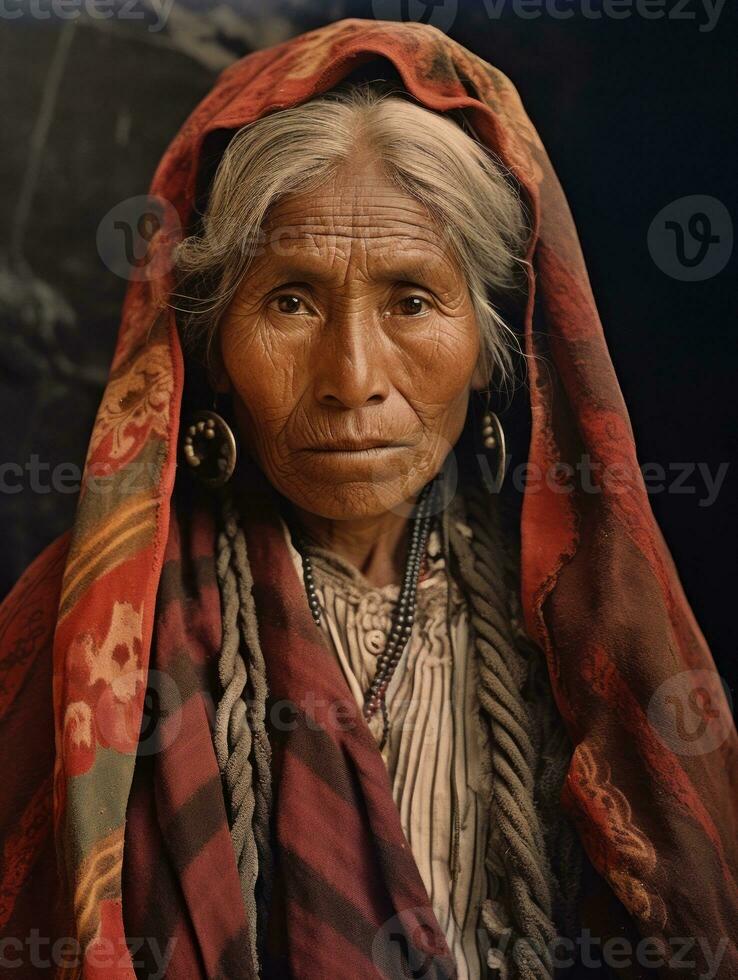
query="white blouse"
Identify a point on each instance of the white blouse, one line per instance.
(436, 740)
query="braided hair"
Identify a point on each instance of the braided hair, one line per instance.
(533, 849)
(240, 736)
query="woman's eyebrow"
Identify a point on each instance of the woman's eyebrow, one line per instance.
(318, 269)
(422, 272)
(283, 262)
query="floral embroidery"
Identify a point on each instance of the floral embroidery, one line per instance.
(107, 684)
(134, 405)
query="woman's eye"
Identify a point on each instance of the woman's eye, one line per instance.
(412, 306)
(289, 303)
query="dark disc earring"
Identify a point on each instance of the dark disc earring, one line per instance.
(209, 447)
(493, 441)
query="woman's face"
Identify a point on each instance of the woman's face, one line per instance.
(350, 348)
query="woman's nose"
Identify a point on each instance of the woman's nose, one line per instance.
(350, 367)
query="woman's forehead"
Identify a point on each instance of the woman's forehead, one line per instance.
(362, 201)
(376, 220)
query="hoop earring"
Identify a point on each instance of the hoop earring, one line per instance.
(209, 447)
(493, 438)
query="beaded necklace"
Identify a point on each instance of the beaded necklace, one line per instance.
(404, 611)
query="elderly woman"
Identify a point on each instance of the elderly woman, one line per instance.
(319, 701)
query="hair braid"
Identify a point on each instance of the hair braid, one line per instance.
(530, 752)
(241, 742)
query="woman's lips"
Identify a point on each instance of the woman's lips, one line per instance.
(368, 445)
(369, 459)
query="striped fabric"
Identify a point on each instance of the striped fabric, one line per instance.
(437, 740)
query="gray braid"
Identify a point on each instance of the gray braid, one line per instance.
(529, 836)
(241, 742)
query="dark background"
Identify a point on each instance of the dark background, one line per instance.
(635, 114)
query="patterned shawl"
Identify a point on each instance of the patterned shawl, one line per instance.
(652, 782)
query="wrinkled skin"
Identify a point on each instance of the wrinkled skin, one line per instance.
(354, 324)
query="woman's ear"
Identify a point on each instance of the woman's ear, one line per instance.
(480, 379)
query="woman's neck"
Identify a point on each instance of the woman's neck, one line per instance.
(377, 546)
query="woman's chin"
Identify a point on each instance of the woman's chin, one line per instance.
(356, 499)
(353, 485)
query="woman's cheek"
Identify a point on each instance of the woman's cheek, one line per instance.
(256, 365)
(236, 340)
(441, 359)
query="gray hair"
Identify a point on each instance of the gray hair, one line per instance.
(427, 154)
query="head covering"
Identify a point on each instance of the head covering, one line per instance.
(652, 792)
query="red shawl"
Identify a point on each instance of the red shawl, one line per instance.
(652, 795)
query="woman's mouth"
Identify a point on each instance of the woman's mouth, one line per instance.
(365, 459)
(353, 446)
